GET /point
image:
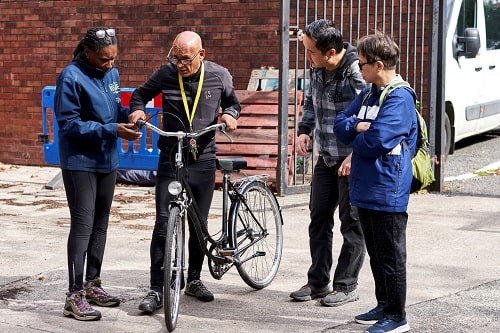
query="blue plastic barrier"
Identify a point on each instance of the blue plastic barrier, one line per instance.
(141, 155)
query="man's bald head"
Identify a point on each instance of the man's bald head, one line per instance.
(187, 41)
(188, 52)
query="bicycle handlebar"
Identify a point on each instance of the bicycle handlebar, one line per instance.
(220, 126)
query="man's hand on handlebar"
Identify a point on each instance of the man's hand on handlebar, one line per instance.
(230, 122)
(134, 116)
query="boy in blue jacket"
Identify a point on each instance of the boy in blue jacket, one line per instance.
(381, 175)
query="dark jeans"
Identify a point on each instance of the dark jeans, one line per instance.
(329, 191)
(385, 237)
(201, 179)
(89, 198)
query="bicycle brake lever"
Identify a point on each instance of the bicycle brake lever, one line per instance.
(227, 135)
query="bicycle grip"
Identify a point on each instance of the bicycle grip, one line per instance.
(140, 123)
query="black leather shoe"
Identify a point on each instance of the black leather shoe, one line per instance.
(152, 301)
(197, 289)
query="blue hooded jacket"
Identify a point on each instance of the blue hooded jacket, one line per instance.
(381, 170)
(88, 109)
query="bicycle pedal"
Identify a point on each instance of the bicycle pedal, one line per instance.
(227, 252)
(260, 253)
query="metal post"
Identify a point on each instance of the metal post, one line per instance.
(437, 70)
(282, 167)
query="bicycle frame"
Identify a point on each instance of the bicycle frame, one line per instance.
(186, 203)
(184, 198)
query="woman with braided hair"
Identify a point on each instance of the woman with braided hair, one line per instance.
(90, 118)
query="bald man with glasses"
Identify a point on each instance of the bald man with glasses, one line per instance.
(194, 90)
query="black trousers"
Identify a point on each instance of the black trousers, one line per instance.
(89, 198)
(329, 191)
(385, 236)
(201, 179)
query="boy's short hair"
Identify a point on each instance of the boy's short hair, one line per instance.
(379, 47)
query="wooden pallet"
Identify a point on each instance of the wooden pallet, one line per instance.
(256, 138)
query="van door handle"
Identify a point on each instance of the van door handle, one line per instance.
(492, 66)
(478, 69)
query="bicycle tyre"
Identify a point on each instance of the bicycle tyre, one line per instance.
(258, 260)
(173, 267)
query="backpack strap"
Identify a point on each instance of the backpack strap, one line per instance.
(387, 89)
(391, 86)
(420, 127)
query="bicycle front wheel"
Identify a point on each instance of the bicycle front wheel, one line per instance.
(257, 234)
(172, 267)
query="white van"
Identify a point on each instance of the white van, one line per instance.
(472, 86)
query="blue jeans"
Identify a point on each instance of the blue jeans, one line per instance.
(201, 179)
(385, 237)
(329, 191)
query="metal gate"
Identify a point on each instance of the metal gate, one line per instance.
(410, 24)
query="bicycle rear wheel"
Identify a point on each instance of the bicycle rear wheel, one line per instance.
(173, 263)
(257, 234)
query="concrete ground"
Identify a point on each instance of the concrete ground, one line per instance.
(453, 267)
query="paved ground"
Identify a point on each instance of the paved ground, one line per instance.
(453, 267)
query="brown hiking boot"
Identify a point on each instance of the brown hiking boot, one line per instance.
(97, 295)
(77, 306)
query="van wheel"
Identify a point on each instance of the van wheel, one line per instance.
(447, 136)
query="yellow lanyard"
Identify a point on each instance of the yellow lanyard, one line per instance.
(198, 94)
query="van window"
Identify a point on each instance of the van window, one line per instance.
(467, 17)
(449, 9)
(492, 15)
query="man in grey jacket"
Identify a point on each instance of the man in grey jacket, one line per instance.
(335, 81)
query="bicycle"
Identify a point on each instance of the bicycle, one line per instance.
(251, 234)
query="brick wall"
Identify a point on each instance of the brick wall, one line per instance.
(37, 39)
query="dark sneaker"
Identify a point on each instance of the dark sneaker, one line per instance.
(97, 295)
(370, 317)
(197, 289)
(77, 306)
(387, 325)
(337, 298)
(307, 293)
(152, 301)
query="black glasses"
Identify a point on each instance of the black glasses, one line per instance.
(185, 62)
(361, 64)
(102, 33)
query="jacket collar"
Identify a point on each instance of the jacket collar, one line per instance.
(83, 63)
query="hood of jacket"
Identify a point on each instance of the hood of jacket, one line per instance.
(350, 56)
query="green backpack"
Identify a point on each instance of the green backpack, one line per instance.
(422, 163)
